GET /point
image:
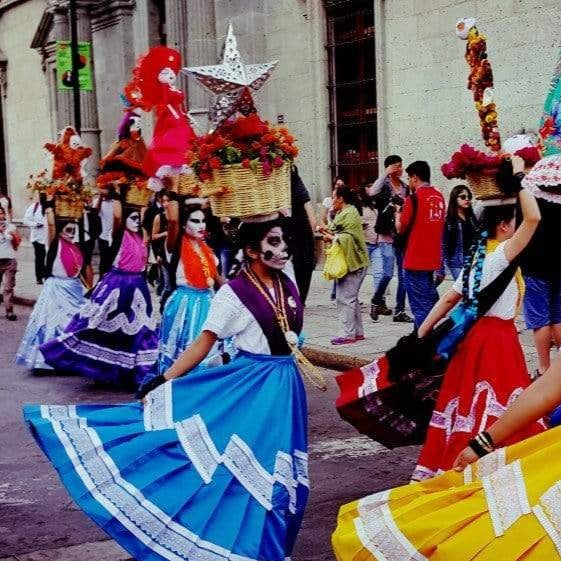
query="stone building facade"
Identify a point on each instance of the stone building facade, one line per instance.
(385, 75)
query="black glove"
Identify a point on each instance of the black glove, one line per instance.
(149, 386)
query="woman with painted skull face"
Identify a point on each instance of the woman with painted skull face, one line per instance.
(193, 275)
(113, 338)
(217, 484)
(62, 293)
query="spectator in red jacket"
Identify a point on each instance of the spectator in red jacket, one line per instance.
(422, 222)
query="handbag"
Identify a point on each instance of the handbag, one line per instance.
(335, 263)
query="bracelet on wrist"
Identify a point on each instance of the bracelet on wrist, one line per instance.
(482, 444)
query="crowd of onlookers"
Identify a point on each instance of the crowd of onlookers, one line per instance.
(407, 230)
(391, 226)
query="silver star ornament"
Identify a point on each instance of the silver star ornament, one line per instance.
(231, 81)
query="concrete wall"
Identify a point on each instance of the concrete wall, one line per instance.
(27, 117)
(426, 111)
(292, 32)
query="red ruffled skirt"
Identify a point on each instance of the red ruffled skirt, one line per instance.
(487, 373)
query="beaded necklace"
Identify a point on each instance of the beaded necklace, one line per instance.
(308, 370)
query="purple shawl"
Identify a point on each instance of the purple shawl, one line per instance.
(261, 310)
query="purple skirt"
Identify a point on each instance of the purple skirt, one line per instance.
(113, 338)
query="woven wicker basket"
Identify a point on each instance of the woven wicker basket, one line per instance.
(188, 184)
(484, 187)
(65, 207)
(238, 191)
(138, 194)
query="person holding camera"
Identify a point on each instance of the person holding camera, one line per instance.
(386, 195)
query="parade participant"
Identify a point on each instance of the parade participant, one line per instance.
(346, 230)
(113, 339)
(488, 370)
(159, 230)
(152, 87)
(62, 293)
(193, 273)
(460, 231)
(187, 476)
(503, 505)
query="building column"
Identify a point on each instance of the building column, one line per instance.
(61, 28)
(88, 100)
(191, 29)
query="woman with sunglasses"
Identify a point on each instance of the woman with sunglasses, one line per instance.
(459, 232)
(62, 293)
(113, 338)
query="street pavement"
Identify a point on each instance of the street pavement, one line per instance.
(39, 522)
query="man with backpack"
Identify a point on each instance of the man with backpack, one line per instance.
(422, 224)
(389, 193)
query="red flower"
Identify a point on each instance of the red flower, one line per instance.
(215, 163)
(278, 162)
(530, 155)
(246, 163)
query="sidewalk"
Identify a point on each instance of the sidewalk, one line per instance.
(321, 323)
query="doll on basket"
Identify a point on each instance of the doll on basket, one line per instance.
(124, 160)
(68, 156)
(152, 88)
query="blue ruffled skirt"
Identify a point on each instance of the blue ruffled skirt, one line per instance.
(183, 318)
(214, 467)
(59, 300)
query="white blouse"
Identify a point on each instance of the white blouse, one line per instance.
(495, 263)
(228, 317)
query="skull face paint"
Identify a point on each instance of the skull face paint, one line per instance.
(69, 231)
(274, 249)
(133, 222)
(196, 225)
(134, 125)
(75, 142)
(167, 76)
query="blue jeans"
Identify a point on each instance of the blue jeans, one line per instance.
(382, 257)
(401, 292)
(422, 294)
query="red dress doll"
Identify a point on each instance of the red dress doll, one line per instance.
(152, 87)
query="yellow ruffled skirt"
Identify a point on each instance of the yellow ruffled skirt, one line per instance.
(506, 507)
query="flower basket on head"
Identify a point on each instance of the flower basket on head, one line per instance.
(238, 191)
(484, 186)
(244, 167)
(138, 194)
(188, 185)
(68, 207)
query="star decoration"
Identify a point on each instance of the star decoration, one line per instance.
(231, 81)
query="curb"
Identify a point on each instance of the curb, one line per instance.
(334, 361)
(23, 301)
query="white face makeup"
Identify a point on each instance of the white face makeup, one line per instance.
(167, 76)
(369, 190)
(75, 142)
(274, 249)
(134, 124)
(463, 26)
(69, 231)
(133, 222)
(196, 225)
